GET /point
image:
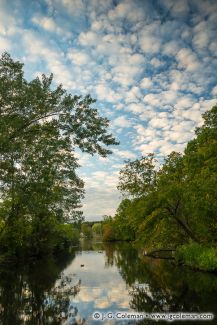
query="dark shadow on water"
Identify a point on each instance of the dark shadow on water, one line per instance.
(36, 292)
(40, 292)
(157, 285)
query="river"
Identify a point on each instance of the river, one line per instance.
(102, 279)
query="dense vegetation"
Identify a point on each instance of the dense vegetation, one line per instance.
(40, 127)
(174, 205)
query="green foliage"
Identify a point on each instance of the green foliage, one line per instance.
(177, 203)
(40, 128)
(97, 229)
(86, 230)
(138, 176)
(16, 238)
(109, 230)
(66, 236)
(198, 256)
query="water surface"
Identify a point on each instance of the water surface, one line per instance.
(101, 278)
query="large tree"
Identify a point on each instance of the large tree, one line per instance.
(137, 178)
(181, 197)
(40, 127)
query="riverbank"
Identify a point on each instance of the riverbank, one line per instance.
(197, 256)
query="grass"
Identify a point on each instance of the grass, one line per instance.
(197, 256)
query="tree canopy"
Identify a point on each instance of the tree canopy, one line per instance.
(41, 125)
(176, 203)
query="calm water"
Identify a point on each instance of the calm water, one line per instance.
(103, 278)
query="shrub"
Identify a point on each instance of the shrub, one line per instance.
(109, 233)
(66, 236)
(198, 256)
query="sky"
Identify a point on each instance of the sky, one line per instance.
(151, 66)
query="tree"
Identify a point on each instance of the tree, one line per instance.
(40, 128)
(86, 230)
(97, 228)
(177, 203)
(109, 229)
(201, 165)
(171, 188)
(137, 178)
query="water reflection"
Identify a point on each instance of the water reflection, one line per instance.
(99, 277)
(37, 293)
(160, 286)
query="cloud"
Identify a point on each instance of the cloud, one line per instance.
(126, 10)
(188, 60)
(152, 99)
(136, 108)
(214, 91)
(104, 92)
(150, 65)
(5, 45)
(37, 49)
(46, 23)
(156, 62)
(180, 8)
(89, 38)
(148, 41)
(78, 57)
(159, 122)
(126, 154)
(122, 121)
(146, 83)
(125, 74)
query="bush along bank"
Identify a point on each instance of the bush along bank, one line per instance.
(197, 256)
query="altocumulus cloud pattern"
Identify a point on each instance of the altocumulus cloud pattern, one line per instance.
(151, 65)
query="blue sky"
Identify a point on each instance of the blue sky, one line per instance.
(151, 65)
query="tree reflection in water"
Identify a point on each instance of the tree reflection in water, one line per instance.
(38, 293)
(160, 286)
(47, 291)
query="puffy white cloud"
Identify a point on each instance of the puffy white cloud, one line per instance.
(122, 121)
(184, 102)
(146, 83)
(74, 8)
(126, 154)
(126, 10)
(37, 49)
(89, 38)
(134, 95)
(104, 92)
(125, 74)
(136, 108)
(188, 59)
(144, 134)
(152, 146)
(46, 23)
(152, 99)
(9, 25)
(180, 8)
(78, 57)
(156, 62)
(201, 39)
(148, 41)
(5, 44)
(159, 122)
(171, 48)
(214, 91)
(207, 104)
